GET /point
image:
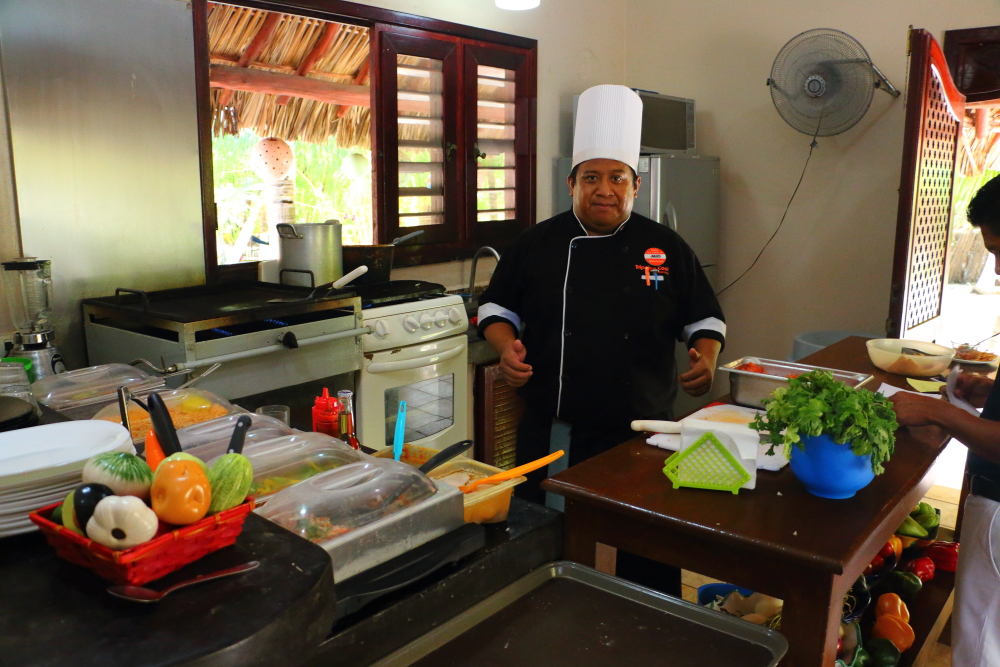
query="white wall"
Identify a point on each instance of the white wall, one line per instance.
(830, 265)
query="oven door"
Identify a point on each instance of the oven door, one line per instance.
(433, 380)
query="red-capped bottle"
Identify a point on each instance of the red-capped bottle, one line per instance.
(346, 397)
(326, 414)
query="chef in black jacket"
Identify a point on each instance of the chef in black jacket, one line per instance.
(585, 308)
(976, 618)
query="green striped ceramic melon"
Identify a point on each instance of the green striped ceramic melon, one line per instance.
(230, 477)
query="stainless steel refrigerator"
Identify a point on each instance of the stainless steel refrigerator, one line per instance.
(681, 191)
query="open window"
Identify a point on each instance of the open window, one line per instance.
(395, 123)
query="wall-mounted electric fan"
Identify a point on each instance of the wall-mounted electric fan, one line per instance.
(822, 82)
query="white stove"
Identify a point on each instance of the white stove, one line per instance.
(417, 352)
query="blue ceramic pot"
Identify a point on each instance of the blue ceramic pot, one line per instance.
(830, 470)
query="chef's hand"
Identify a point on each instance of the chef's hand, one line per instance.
(915, 410)
(973, 389)
(512, 365)
(698, 380)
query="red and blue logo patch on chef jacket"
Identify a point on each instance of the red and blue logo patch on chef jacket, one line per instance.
(654, 270)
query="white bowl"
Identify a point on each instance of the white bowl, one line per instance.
(886, 353)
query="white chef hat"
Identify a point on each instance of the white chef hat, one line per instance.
(608, 125)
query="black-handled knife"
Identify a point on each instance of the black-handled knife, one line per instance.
(163, 425)
(239, 435)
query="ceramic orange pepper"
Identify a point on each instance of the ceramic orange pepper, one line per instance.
(181, 493)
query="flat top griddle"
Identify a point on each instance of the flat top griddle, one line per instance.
(564, 614)
(198, 303)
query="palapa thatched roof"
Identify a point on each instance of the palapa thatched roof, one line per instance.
(979, 148)
(258, 43)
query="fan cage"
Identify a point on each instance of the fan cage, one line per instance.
(846, 70)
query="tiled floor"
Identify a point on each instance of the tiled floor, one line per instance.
(941, 497)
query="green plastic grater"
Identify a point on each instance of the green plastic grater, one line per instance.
(706, 464)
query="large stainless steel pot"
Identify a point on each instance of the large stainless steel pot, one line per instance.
(310, 254)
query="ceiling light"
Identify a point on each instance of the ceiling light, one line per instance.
(517, 4)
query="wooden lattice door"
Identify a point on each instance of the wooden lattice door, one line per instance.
(934, 109)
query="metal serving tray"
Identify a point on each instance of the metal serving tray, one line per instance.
(750, 389)
(567, 614)
(390, 536)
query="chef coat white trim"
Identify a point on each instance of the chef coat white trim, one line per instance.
(562, 331)
(707, 324)
(494, 310)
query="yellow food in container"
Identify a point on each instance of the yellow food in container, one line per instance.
(186, 407)
(489, 503)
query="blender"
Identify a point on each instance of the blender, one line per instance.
(28, 284)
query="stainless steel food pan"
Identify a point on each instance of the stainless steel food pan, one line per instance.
(750, 389)
(565, 614)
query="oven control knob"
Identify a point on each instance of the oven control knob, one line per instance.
(410, 323)
(455, 315)
(426, 321)
(381, 330)
(440, 319)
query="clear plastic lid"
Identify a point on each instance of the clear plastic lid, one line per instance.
(210, 439)
(282, 462)
(338, 501)
(186, 406)
(97, 384)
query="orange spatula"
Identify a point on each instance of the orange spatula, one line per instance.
(512, 473)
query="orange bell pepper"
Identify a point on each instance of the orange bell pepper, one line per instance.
(897, 546)
(890, 604)
(181, 492)
(895, 630)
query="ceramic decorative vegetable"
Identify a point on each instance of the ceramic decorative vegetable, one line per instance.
(181, 492)
(154, 452)
(922, 567)
(69, 515)
(944, 555)
(895, 630)
(85, 499)
(883, 652)
(890, 604)
(182, 456)
(126, 474)
(120, 522)
(230, 477)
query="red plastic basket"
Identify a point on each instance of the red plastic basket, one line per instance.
(150, 560)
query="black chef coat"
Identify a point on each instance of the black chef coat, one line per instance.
(599, 331)
(975, 464)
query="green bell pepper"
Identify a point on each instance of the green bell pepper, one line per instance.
(904, 584)
(910, 528)
(928, 520)
(862, 658)
(883, 653)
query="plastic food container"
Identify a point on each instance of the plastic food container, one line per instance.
(288, 460)
(488, 503)
(887, 354)
(82, 393)
(338, 501)
(750, 388)
(210, 439)
(186, 406)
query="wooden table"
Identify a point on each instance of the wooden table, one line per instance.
(778, 538)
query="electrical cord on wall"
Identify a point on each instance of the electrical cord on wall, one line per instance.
(812, 147)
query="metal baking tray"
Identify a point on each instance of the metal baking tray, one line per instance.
(566, 614)
(750, 389)
(393, 535)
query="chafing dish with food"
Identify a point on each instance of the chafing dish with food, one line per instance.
(750, 388)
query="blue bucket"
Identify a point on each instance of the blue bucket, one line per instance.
(829, 470)
(708, 592)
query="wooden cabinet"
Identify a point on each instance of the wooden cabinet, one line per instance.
(497, 412)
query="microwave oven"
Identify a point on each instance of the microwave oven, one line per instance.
(667, 123)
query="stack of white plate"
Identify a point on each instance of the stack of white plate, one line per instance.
(40, 465)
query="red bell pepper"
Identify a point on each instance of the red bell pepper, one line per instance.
(922, 567)
(944, 555)
(886, 550)
(875, 566)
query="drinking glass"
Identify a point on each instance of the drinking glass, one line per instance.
(279, 412)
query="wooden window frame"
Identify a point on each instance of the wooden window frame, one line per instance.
(395, 26)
